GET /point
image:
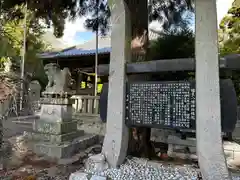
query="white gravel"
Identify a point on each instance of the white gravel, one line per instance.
(132, 170)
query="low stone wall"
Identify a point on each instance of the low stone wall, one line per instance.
(91, 124)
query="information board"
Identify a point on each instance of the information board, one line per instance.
(161, 104)
(170, 105)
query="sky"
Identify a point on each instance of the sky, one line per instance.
(75, 33)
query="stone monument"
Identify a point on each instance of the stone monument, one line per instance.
(55, 134)
(117, 133)
(34, 94)
(34, 91)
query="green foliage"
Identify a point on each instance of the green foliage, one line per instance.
(230, 42)
(173, 44)
(54, 12)
(2, 61)
(170, 12)
(13, 30)
(12, 36)
(230, 32)
(230, 46)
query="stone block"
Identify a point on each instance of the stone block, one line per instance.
(56, 113)
(182, 148)
(178, 141)
(85, 176)
(58, 94)
(54, 127)
(95, 177)
(96, 163)
(67, 149)
(53, 138)
(79, 176)
(160, 135)
(59, 101)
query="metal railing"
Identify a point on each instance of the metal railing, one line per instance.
(88, 105)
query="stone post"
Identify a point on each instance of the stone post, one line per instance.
(116, 138)
(209, 142)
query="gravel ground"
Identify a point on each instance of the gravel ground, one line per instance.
(148, 170)
(131, 170)
(25, 165)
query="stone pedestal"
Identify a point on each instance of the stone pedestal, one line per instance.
(55, 134)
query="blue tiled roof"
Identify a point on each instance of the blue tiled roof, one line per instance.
(48, 54)
(75, 52)
(88, 48)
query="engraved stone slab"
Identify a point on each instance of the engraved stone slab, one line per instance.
(67, 149)
(54, 127)
(56, 113)
(34, 91)
(53, 138)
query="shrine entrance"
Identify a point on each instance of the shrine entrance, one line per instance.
(207, 88)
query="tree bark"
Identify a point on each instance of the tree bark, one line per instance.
(139, 21)
(139, 142)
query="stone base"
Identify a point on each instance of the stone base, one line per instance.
(66, 149)
(53, 138)
(58, 101)
(44, 126)
(177, 148)
(56, 112)
(191, 142)
(65, 94)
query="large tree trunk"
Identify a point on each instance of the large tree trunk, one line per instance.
(139, 142)
(139, 20)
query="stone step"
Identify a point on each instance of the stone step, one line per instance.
(231, 151)
(24, 118)
(86, 117)
(53, 138)
(93, 128)
(86, 114)
(67, 149)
